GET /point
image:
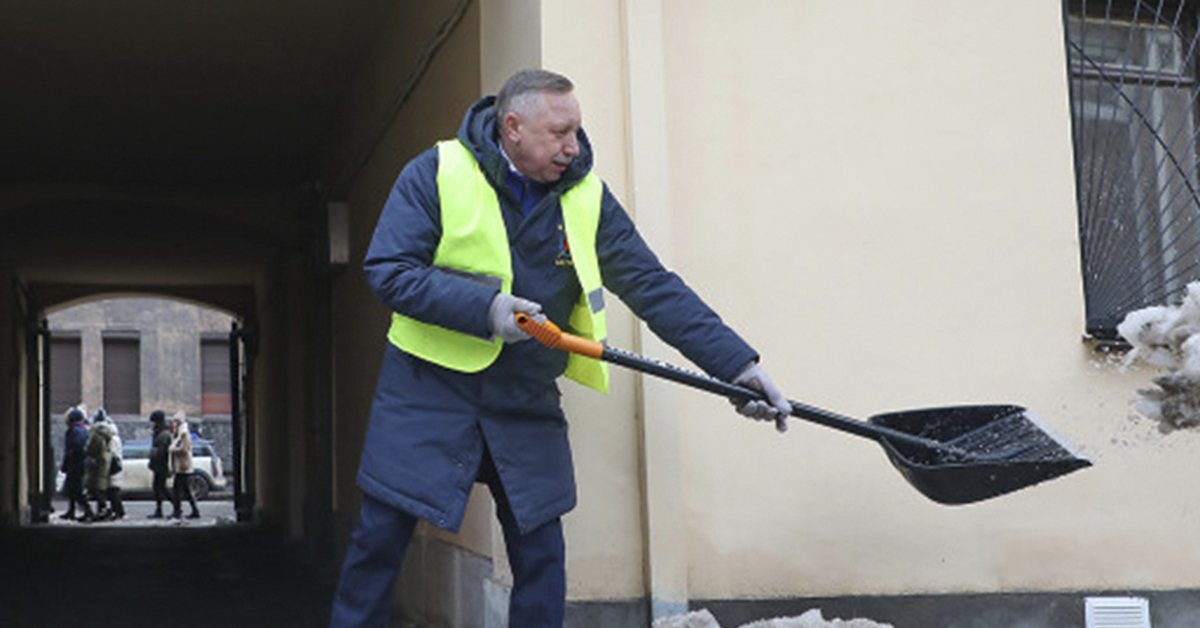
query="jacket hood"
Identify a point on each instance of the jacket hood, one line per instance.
(478, 132)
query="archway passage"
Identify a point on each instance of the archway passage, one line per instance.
(207, 152)
(263, 270)
(283, 469)
(177, 150)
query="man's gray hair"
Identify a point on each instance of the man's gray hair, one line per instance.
(519, 91)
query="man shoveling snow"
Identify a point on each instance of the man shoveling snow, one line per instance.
(1168, 337)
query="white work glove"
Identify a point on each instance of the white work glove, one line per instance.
(502, 316)
(776, 407)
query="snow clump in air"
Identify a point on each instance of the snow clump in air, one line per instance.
(1168, 337)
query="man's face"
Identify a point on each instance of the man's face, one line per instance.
(543, 146)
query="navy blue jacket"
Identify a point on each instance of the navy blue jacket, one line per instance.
(74, 440)
(429, 425)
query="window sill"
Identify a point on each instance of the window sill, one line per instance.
(1107, 346)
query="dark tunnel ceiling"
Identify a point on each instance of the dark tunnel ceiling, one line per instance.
(231, 93)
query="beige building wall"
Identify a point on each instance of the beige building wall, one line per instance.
(880, 198)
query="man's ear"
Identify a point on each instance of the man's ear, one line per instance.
(510, 127)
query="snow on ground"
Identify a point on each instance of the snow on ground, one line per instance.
(814, 619)
(810, 619)
(695, 619)
(1168, 337)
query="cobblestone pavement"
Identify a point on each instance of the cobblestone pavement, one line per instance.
(139, 572)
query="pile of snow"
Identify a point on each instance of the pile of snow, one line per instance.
(813, 619)
(1168, 337)
(810, 619)
(695, 619)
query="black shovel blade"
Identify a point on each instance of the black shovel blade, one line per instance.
(988, 451)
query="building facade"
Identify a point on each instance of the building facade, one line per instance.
(132, 356)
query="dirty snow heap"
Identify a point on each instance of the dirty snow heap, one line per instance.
(810, 619)
(1168, 337)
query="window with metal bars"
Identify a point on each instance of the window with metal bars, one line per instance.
(1134, 108)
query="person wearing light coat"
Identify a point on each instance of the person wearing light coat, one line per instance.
(182, 466)
(116, 481)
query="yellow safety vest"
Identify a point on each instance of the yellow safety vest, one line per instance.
(475, 241)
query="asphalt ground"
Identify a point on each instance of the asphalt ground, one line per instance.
(137, 572)
(216, 510)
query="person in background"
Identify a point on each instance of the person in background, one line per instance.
(181, 466)
(74, 441)
(98, 463)
(160, 464)
(116, 467)
(506, 218)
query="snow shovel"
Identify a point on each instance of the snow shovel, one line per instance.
(952, 455)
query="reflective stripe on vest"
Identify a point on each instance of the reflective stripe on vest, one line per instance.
(581, 219)
(475, 243)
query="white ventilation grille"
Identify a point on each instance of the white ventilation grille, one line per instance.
(1117, 612)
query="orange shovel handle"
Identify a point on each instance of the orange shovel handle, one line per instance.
(550, 335)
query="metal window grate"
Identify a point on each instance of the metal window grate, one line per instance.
(1136, 123)
(1117, 612)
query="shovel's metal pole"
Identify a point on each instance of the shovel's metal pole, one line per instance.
(733, 391)
(550, 335)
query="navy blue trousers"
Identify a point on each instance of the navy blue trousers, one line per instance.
(378, 545)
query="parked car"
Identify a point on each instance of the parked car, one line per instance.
(209, 475)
